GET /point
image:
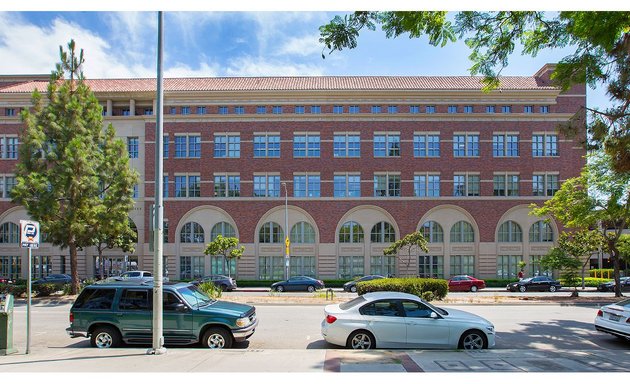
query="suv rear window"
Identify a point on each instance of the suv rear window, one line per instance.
(92, 298)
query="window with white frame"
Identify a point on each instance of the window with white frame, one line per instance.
(505, 145)
(9, 233)
(510, 232)
(222, 228)
(192, 232)
(466, 184)
(226, 185)
(429, 109)
(347, 185)
(490, 109)
(351, 232)
(239, 110)
(466, 145)
(383, 232)
(462, 265)
(337, 109)
(276, 109)
(540, 232)
(11, 267)
(302, 233)
(187, 146)
(426, 145)
(316, 109)
(7, 183)
(227, 146)
(346, 145)
(528, 109)
(432, 231)
(506, 109)
(266, 185)
(426, 185)
(452, 109)
(165, 147)
(271, 267)
(468, 109)
(462, 232)
(392, 109)
(187, 186)
(414, 109)
(201, 110)
(383, 265)
(507, 266)
(299, 110)
(266, 145)
(223, 110)
(306, 145)
(185, 110)
(544, 145)
(375, 109)
(544, 109)
(386, 145)
(261, 109)
(303, 266)
(431, 266)
(536, 268)
(544, 184)
(351, 266)
(354, 109)
(270, 233)
(506, 184)
(387, 185)
(191, 267)
(8, 147)
(165, 186)
(133, 145)
(306, 185)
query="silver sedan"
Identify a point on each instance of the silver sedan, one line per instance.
(401, 320)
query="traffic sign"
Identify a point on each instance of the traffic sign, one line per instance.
(29, 234)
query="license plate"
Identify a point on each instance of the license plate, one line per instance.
(612, 317)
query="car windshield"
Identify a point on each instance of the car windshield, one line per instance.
(194, 297)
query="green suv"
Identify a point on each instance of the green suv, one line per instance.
(114, 312)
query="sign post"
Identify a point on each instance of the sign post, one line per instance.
(29, 238)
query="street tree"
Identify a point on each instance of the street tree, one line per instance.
(597, 200)
(569, 266)
(72, 174)
(228, 247)
(120, 235)
(602, 56)
(413, 244)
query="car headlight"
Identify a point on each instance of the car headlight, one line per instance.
(490, 328)
(242, 321)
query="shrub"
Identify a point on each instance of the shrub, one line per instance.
(46, 289)
(437, 288)
(210, 289)
(17, 290)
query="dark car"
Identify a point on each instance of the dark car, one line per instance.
(609, 286)
(226, 283)
(538, 283)
(351, 286)
(53, 279)
(465, 283)
(298, 283)
(5, 280)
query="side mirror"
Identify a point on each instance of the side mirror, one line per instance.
(180, 307)
(434, 315)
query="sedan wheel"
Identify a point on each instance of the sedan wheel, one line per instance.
(361, 340)
(552, 288)
(279, 288)
(217, 338)
(353, 289)
(473, 288)
(310, 288)
(473, 340)
(522, 288)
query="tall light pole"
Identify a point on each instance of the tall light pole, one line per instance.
(287, 243)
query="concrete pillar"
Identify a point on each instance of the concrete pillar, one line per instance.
(155, 111)
(132, 107)
(110, 106)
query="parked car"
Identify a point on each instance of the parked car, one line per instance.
(402, 320)
(614, 319)
(224, 282)
(121, 311)
(351, 286)
(609, 286)
(538, 283)
(298, 283)
(136, 275)
(53, 279)
(465, 283)
(5, 280)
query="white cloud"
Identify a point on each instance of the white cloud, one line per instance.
(260, 66)
(301, 46)
(183, 70)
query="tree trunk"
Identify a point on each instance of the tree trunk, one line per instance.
(616, 265)
(74, 270)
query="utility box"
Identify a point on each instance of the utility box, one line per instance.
(6, 324)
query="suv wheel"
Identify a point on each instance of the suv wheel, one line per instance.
(217, 338)
(105, 337)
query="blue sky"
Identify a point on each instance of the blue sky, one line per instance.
(123, 44)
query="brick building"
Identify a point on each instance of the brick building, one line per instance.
(361, 161)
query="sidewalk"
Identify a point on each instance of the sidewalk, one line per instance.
(123, 360)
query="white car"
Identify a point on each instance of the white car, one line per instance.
(614, 319)
(401, 320)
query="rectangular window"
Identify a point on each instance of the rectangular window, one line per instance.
(430, 109)
(9, 112)
(338, 109)
(468, 109)
(187, 146)
(185, 110)
(426, 145)
(544, 109)
(261, 109)
(387, 185)
(383, 265)
(465, 185)
(414, 109)
(347, 185)
(506, 185)
(201, 110)
(266, 145)
(165, 186)
(173, 111)
(126, 112)
(426, 185)
(266, 185)
(462, 265)
(191, 267)
(316, 109)
(7, 183)
(386, 145)
(506, 109)
(505, 145)
(271, 267)
(180, 186)
(354, 109)
(136, 193)
(452, 109)
(431, 267)
(507, 266)
(239, 110)
(194, 146)
(347, 145)
(133, 147)
(392, 109)
(227, 185)
(306, 185)
(376, 109)
(223, 110)
(306, 145)
(277, 109)
(148, 111)
(165, 147)
(299, 109)
(528, 109)
(489, 108)
(227, 146)
(187, 186)
(544, 184)
(466, 145)
(351, 266)
(10, 151)
(545, 145)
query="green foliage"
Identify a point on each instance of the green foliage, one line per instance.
(415, 286)
(414, 243)
(46, 289)
(210, 289)
(17, 290)
(227, 247)
(72, 176)
(602, 273)
(559, 259)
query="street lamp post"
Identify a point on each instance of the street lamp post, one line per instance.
(286, 228)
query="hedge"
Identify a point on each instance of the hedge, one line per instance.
(428, 289)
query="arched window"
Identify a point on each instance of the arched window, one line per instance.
(351, 232)
(383, 232)
(192, 233)
(224, 229)
(303, 232)
(510, 232)
(433, 232)
(9, 233)
(540, 232)
(133, 227)
(462, 232)
(271, 232)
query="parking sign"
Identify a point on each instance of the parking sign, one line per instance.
(29, 234)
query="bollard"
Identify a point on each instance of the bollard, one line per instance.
(329, 290)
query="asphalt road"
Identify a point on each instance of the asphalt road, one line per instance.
(522, 326)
